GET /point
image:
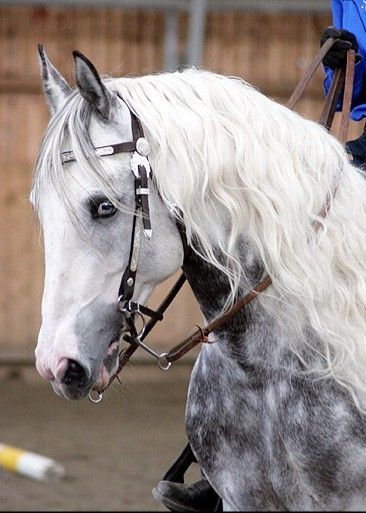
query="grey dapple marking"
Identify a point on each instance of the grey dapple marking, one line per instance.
(270, 430)
(268, 437)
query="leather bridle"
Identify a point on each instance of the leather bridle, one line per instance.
(141, 225)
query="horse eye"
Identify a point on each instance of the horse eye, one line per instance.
(101, 207)
(106, 209)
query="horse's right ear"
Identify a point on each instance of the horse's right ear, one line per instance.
(55, 87)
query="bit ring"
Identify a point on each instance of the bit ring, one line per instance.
(163, 363)
(95, 397)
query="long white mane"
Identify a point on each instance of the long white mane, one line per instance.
(236, 163)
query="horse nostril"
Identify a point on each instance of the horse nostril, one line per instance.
(75, 374)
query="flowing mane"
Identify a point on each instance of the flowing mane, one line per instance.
(236, 163)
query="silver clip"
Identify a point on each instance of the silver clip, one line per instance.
(143, 190)
(139, 160)
(67, 156)
(104, 150)
(163, 363)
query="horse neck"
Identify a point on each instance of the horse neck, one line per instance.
(211, 286)
(253, 337)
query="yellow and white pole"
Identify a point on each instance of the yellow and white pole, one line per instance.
(29, 464)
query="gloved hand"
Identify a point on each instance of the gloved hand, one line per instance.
(337, 55)
(357, 149)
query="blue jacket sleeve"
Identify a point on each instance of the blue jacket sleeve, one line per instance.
(351, 15)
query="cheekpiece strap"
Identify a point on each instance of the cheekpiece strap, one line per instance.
(140, 167)
(127, 285)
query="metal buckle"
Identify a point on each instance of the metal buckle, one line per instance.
(130, 312)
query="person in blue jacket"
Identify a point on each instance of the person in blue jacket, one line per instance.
(349, 19)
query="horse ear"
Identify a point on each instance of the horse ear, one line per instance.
(55, 87)
(91, 86)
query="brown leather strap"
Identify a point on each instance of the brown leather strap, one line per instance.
(330, 103)
(202, 333)
(340, 78)
(309, 73)
(347, 96)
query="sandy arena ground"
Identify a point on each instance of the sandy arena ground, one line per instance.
(113, 453)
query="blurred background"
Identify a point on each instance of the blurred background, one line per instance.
(268, 43)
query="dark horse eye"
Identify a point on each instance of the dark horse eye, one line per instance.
(100, 207)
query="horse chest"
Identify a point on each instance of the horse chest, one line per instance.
(286, 442)
(228, 413)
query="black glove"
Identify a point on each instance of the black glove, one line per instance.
(337, 55)
(357, 149)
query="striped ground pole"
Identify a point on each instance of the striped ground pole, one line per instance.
(29, 464)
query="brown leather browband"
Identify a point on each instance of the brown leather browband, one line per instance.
(341, 78)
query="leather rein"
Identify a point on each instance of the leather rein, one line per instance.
(141, 224)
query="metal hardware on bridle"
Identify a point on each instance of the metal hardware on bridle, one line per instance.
(95, 397)
(140, 167)
(141, 223)
(132, 310)
(130, 316)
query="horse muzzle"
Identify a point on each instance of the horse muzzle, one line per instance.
(74, 381)
(71, 379)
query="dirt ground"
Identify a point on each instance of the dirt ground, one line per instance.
(113, 453)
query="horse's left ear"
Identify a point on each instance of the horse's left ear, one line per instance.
(91, 86)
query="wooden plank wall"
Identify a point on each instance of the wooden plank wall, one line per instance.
(269, 51)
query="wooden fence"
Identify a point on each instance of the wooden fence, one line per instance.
(270, 51)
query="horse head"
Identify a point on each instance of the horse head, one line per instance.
(84, 192)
